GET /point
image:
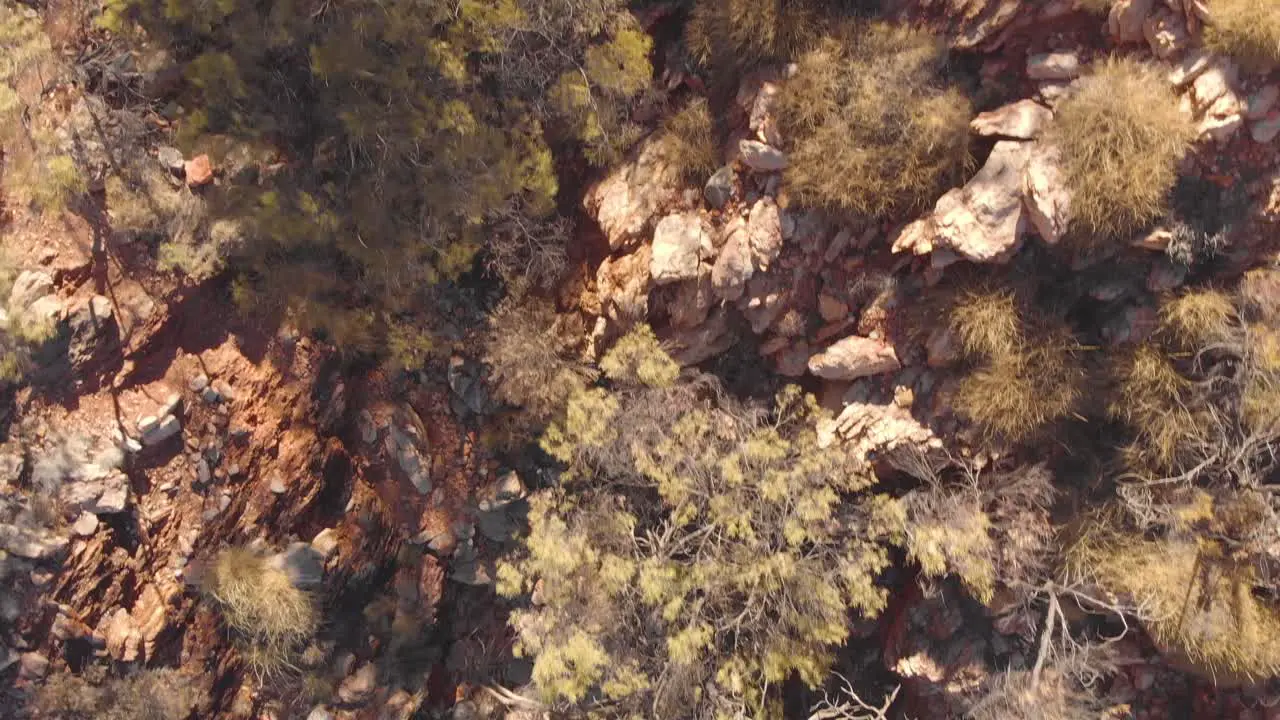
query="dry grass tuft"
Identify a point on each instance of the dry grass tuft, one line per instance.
(1247, 30)
(743, 34)
(689, 141)
(1155, 400)
(262, 606)
(987, 323)
(1199, 601)
(1121, 138)
(1198, 318)
(874, 129)
(1016, 396)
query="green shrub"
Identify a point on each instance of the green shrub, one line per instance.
(271, 618)
(694, 558)
(1247, 30)
(1121, 137)
(57, 183)
(874, 130)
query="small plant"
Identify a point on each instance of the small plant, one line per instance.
(690, 141)
(1247, 30)
(269, 615)
(1121, 137)
(58, 184)
(874, 129)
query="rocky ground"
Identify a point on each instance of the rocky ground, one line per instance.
(169, 427)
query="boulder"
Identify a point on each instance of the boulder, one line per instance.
(32, 543)
(712, 337)
(1166, 33)
(1048, 201)
(168, 427)
(719, 188)
(762, 121)
(1222, 119)
(1265, 130)
(1126, 19)
(1053, 66)
(983, 221)
(1260, 103)
(854, 357)
(198, 171)
(1021, 120)
(692, 300)
(764, 233)
(101, 494)
(733, 266)
(623, 283)
(302, 563)
(761, 157)
(626, 202)
(1217, 79)
(171, 159)
(358, 688)
(29, 286)
(679, 244)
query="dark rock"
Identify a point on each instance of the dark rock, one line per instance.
(719, 188)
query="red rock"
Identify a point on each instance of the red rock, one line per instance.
(199, 171)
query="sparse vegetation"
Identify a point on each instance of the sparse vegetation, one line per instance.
(270, 618)
(1247, 30)
(532, 353)
(162, 694)
(874, 129)
(1121, 137)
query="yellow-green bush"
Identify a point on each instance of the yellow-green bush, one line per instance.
(57, 182)
(1247, 30)
(874, 129)
(1121, 137)
(1198, 318)
(694, 558)
(1197, 597)
(270, 616)
(1156, 401)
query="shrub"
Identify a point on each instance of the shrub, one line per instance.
(694, 557)
(531, 352)
(1198, 318)
(1121, 136)
(1156, 401)
(1024, 373)
(59, 183)
(1248, 30)
(260, 604)
(874, 131)
(149, 695)
(1197, 597)
(742, 34)
(689, 141)
(989, 530)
